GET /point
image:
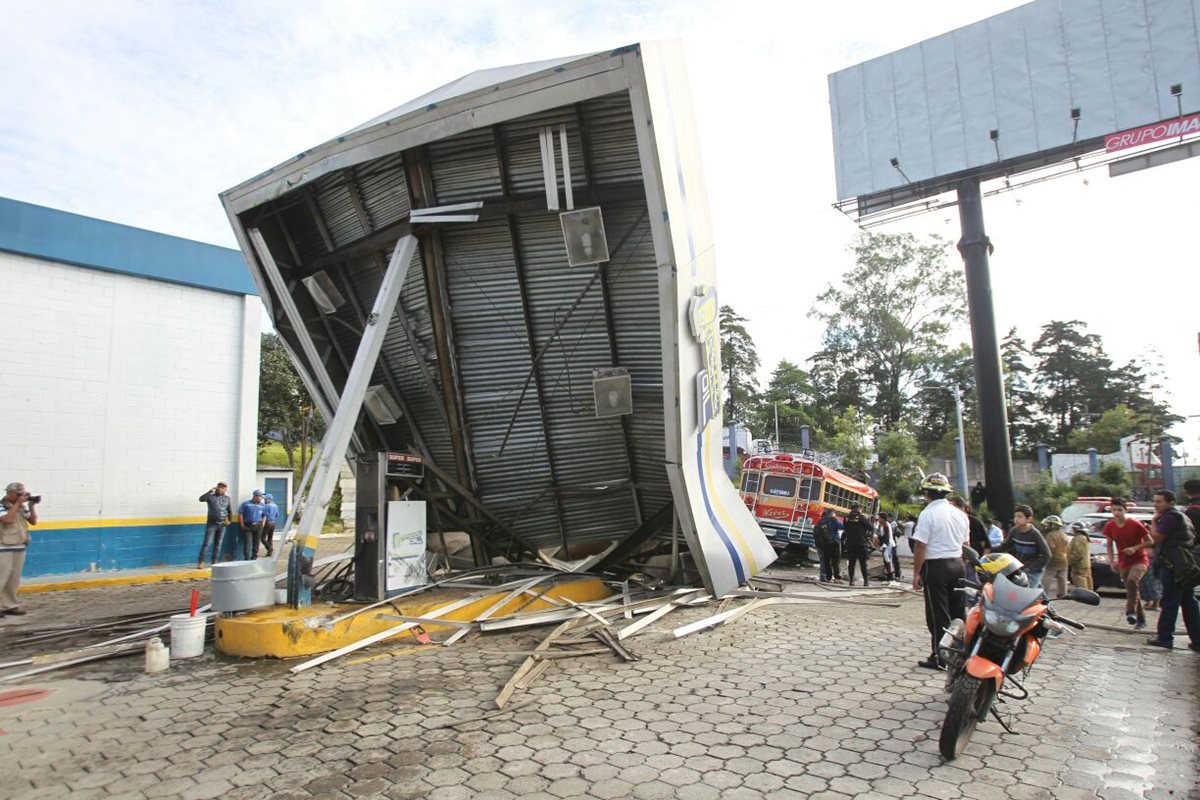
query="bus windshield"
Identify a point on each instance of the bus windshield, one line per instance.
(779, 486)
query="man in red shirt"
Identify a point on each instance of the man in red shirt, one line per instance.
(1125, 535)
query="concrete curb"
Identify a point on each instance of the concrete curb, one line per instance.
(116, 580)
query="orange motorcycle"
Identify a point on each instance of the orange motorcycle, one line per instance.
(1000, 639)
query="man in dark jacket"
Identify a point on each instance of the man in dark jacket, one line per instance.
(219, 506)
(827, 537)
(1171, 530)
(856, 542)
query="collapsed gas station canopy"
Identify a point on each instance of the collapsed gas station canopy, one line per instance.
(554, 353)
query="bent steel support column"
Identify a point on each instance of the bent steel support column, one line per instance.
(294, 318)
(337, 438)
(989, 379)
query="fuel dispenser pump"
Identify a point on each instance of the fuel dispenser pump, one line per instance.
(389, 529)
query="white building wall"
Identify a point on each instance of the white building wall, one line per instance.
(120, 394)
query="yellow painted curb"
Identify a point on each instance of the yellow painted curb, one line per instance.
(116, 580)
(282, 632)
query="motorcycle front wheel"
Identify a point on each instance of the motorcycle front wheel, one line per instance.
(969, 700)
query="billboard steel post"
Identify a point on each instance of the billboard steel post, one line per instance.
(989, 380)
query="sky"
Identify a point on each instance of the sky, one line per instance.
(142, 112)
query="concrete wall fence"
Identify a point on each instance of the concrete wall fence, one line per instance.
(128, 386)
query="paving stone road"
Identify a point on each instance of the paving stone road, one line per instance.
(818, 701)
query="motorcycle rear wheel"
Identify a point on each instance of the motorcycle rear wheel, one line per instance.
(969, 698)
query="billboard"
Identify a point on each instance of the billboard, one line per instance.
(1045, 81)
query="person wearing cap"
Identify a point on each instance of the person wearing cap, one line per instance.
(220, 508)
(270, 514)
(937, 544)
(251, 515)
(17, 512)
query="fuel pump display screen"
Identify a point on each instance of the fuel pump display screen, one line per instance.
(402, 465)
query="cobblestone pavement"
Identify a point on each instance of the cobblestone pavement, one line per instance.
(819, 701)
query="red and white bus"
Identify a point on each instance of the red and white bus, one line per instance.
(787, 495)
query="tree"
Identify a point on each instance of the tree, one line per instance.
(739, 361)
(1105, 434)
(851, 440)
(899, 471)
(1073, 377)
(932, 407)
(286, 414)
(1111, 480)
(889, 316)
(790, 393)
(1024, 428)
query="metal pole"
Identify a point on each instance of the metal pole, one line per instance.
(776, 426)
(989, 379)
(337, 438)
(1168, 465)
(961, 448)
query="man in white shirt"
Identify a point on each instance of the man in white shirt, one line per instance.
(937, 543)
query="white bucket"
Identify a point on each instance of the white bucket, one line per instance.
(187, 635)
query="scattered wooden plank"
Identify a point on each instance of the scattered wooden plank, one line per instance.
(533, 674)
(659, 613)
(509, 688)
(605, 636)
(72, 655)
(381, 635)
(450, 623)
(454, 637)
(99, 656)
(728, 616)
(593, 614)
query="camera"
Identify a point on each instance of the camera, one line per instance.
(34, 499)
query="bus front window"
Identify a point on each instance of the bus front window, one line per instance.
(750, 481)
(779, 486)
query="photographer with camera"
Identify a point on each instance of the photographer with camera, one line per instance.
(18, 510)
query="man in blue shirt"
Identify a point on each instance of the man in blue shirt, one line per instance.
(270, 514)
(251, 514)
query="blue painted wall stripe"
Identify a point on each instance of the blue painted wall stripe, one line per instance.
(134, 547)
(55, 235)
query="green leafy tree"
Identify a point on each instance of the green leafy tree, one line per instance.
(1110, 480)
(852, 440)
(739, 361)
(1105, 434)
(286, 414)
(898, 473)
(791, 394)
(932, 407)
(1045, 495)
(889, 316)
(1025, 429)
(1074, 377)
(944, 447)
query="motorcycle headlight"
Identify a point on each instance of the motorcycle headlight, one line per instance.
(1000, 624)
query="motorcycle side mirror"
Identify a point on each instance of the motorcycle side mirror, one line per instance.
(1084, 596)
